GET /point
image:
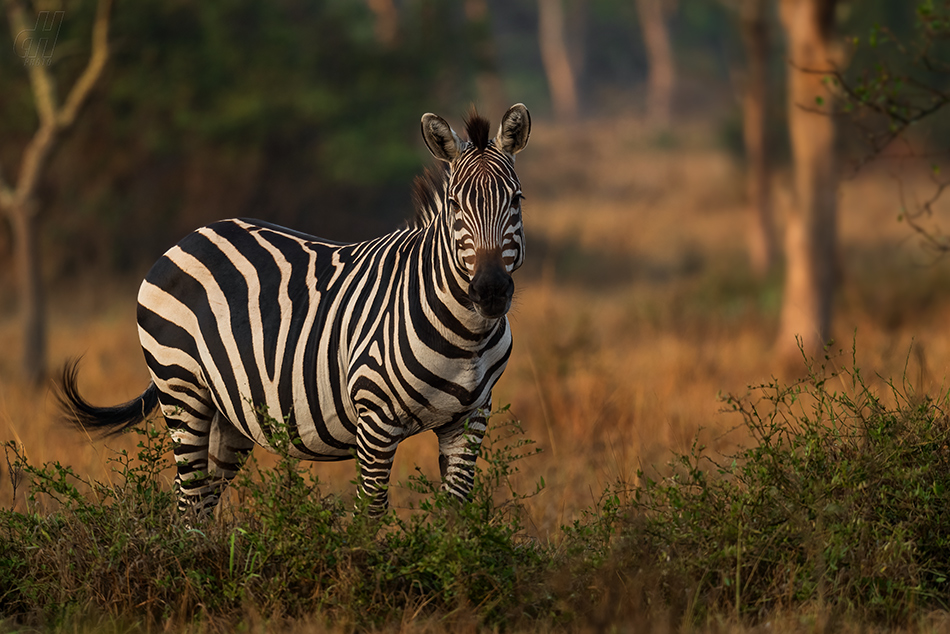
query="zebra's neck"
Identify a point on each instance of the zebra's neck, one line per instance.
(444, 286)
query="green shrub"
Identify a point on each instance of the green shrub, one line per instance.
(841, 505)
(285, 551)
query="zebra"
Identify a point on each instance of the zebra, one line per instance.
(354, 346)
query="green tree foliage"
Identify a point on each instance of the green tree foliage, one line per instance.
(289, 110)
(246, 73)
(897, 88)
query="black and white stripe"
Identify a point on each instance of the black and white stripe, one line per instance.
(354, 346)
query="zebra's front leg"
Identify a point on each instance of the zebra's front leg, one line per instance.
(458, 450)
(375, 449)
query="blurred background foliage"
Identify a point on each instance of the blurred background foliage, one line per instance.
(299, 112)
(282, 110)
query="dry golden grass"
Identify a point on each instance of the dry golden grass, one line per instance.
(635, 310)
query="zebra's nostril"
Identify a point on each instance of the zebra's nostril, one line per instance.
(491, 291)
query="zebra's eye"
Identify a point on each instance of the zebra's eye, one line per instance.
(454, 206)
(516, 205)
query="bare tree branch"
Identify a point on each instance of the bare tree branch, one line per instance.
(940, 244)
(97, 62)
(53, 119)
(44, 90)
(34, 159)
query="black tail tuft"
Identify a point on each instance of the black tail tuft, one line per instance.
(104, 420)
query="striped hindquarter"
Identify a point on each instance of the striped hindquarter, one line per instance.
(349, 348)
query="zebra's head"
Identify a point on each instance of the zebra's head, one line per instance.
(484, 198)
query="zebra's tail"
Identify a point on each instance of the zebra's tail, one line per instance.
(108, 421)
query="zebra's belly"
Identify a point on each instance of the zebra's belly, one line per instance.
(288, 406)
(325, 421)
(314, 446)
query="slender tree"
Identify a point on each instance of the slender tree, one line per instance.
(753, 23)
(811, 228)
(576, 13)
(386, 27)
(662, 71)
(554, 55)
(19, 201)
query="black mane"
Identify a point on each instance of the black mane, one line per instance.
(427, 191)
(478, 129)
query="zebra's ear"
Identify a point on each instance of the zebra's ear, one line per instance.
(440, 138)
(514, 130)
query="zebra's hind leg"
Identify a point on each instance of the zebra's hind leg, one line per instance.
(228, 449)
(189, 418)
(458, 451)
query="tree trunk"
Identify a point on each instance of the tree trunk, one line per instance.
(662, 72)
(554, 55)
(386, 28)
(32, 302)
(575, 37)
(21, 208)
(755, 36)
(812, 224)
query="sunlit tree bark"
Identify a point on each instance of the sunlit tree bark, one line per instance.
(811, 228)
(662, 71)
(575, 35)
(386, 27)
(753, 20)
(555, 57)
(19, 202)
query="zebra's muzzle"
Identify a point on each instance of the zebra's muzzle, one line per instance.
(491, 290)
